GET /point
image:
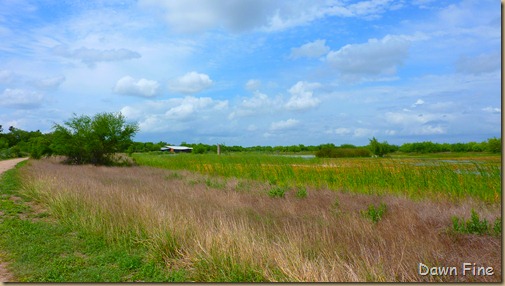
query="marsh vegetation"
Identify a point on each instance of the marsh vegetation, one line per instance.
(272, 218)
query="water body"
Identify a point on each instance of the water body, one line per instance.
(309, 156)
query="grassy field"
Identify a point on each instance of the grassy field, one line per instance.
(244, 218)
(446, 177)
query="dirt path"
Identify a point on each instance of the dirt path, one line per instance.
(4, 166)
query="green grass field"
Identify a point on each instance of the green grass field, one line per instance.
(422, 177)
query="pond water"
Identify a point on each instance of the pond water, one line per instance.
(308, 156)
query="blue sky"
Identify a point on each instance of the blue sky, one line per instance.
(257, 72)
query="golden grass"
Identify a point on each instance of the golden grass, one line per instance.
(236, 232)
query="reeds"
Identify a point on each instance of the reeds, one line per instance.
(237, 232)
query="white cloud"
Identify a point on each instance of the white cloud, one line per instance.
(191, 82)
(302, 96)
(480, 64)
(21, 98)
(363, 132)
(253, 85)
(131, 112)
(192, 16)
(92, 56)
(376, 57)
(420, 124)
(142, 87)
(418, 102)
(284, 124)
(373, 8)
(257, 104)
(342, 131)
(175, 114)
(50, 82)
(491, 109)
(429, 130)
(196, 16)
(310, 50)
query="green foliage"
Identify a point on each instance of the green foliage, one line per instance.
(339, 152)
(277, 192)
(497, 226)
(494, 145)
(381, 149)
(40, 146)
(375, 213)
(476, 226)
(86, 140)
(301, 192)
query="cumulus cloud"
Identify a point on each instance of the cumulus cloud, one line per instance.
(191, 82)
(259, 103)
(174, 114)
(284, 124)
(310, 50)
(50, 82)
(480, 64)
(142, 87)
(21, 98)
(92, 56)
(419, 124)
(376, 57)
(302, 96)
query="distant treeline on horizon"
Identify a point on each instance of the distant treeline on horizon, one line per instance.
(492, 145)
(18, 143)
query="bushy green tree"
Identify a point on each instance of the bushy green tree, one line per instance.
(494, 145)
(380, 149)
(93, 140)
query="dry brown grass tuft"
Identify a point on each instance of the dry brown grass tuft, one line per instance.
(236, 231)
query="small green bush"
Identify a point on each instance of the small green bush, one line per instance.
(475, 225)
(497, 227)
(301, 193)
(375, 213)
(276, 192)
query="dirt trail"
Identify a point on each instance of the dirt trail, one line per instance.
(5, 165)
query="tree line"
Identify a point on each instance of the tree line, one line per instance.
(95, 140)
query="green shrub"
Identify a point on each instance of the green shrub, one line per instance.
(276, 192)
(475, 225)
(93, 140)
(375, 213)
(497, 227)
(301, 192)
(339, 152)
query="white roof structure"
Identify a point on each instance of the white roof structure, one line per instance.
(179, 148)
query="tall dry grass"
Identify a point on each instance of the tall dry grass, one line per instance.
(236, 232)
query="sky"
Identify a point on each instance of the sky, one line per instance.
(257, 72)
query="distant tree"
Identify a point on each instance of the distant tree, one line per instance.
(86, 140)
(381, 149)
(494, 145)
